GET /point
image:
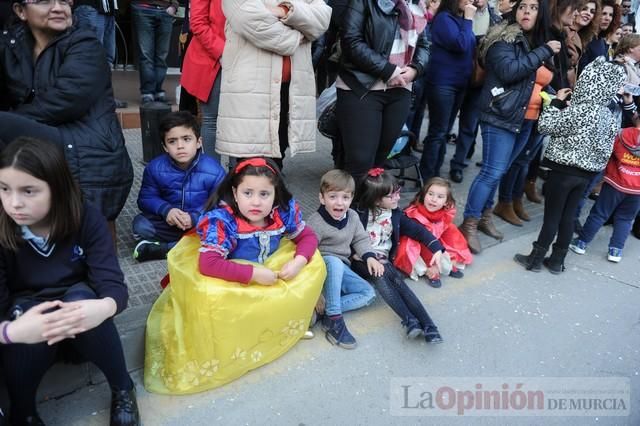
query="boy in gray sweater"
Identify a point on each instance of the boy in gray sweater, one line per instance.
(340, 233)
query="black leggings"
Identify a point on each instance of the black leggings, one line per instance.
(25, 365)
(562, 192)
(397, 294)
(369, 126)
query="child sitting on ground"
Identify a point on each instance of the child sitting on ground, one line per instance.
(241, 294)
(340, 231)
(434, 208)
(378, 196)
(619, 197)
(175, 186)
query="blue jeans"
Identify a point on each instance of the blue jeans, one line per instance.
(210, 118)
(343, 289)
(153, 28)
(512, 183)
(103, 25)
(467, 128)
(624, 208)
(444, 102)
(156, 230)
(500, 148)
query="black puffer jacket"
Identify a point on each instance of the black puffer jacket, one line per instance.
(511, 73)
(69, 87)
(366, 38)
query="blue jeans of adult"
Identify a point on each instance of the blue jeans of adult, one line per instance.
(103, 25)
(500, 148)
(395, 291)
(153, 26)
(418, 105)
(624, 208)
(344, 290)
(468, 128)
(444, 102)
(512, 183)
(155, 229)
(210, 118)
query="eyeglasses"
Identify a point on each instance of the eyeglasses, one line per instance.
(49, 3)
(394, 194)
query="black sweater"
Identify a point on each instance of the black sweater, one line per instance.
(89, 256)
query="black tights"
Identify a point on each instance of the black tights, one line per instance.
(397, 294)
(562, 192)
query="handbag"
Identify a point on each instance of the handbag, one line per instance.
(326, 112)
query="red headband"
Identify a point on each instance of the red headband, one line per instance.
(375, 172)
(255, 162)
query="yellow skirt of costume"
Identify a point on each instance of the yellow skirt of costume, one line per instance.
(203, 332)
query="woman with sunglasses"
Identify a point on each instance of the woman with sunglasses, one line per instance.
(56, 86)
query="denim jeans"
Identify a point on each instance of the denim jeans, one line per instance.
(210, 118)
(344, 290)
(103, 25)
(444, 103)
(500, 148)
(153, 28)
(395, 291)
(467, 127)
(624, 208)
(512, 183)
(156, 230)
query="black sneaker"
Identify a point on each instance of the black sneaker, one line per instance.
(456, 273)
(150, 250)
(120, 103)
(431, 335)
(146, 99)
(160, 97)
(434, 282)
(414, 330)
(338, 334)
(124, 408)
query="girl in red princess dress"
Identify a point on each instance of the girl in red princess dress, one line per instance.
(434, 208)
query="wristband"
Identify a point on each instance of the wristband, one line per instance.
(5, 335)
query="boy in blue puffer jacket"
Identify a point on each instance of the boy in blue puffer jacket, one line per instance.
(175, 186)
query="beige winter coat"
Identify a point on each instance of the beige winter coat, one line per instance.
(249, 111)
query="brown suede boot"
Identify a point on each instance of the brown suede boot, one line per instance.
(469, 229)
(504, 210)
(531, 192)
(485, 224)
(518, 207)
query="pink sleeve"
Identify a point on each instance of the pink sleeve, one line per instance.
(214, 265)
(306, 243)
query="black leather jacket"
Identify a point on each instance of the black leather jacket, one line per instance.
(366, 38)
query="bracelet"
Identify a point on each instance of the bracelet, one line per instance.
(5, 335)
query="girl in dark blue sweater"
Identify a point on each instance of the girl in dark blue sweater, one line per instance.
(60, 281)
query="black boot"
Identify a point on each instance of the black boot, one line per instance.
(124, 408)
(532, 262)
(555, 262)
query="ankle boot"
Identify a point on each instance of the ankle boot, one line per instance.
(505, 211)
(485, 224)
(124, 408)
(469, 229)
(555, 262)
(531, 193)
(532, 262)
(518, 208)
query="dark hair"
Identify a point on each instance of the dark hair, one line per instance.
(539, 34)
(592, 30)
(44, 161)
(337, 180)
(615, 21)
(224, 194)
(450, 6)
(419, 198)
(178, 119)
(558, 7)
(373, 188)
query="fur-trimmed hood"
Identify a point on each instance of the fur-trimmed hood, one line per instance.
(502, 32)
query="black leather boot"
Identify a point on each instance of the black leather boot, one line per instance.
(124, 408)
(555, 262)
(532, 262)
